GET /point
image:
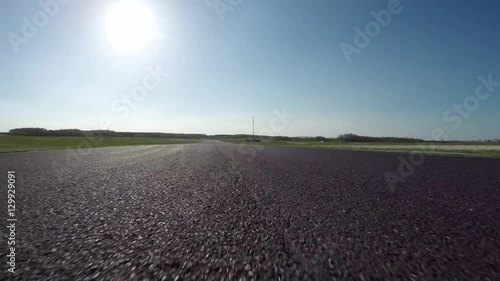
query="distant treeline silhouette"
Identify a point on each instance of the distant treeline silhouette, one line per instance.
(285, 138)
(109, 133)
(356, 138)
(99, 133)
(349, 138)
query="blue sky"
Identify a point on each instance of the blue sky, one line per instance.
(261, 57)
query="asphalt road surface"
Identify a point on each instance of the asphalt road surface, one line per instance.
(215, 211)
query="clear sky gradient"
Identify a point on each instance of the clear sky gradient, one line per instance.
(264, 55)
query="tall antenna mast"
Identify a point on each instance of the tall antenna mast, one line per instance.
(253, 138)
(253, 127)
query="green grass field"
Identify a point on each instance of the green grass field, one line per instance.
(9, 143)
(462, 148)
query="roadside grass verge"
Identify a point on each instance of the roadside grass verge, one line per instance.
(491, 149)
(10, 143)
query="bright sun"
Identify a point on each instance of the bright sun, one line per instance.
(130, 26)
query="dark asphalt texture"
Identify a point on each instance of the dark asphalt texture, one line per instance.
(215, 211)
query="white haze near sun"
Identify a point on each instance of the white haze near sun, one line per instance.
(130, 26)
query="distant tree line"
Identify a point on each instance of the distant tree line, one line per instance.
(285, 138)
(282, 138)
(348, 138)
(100, 133)
(109, 133)
(45, 132)
(356, 138)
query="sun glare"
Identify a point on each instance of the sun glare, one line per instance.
(130, 26)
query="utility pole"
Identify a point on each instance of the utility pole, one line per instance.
(253, 138)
